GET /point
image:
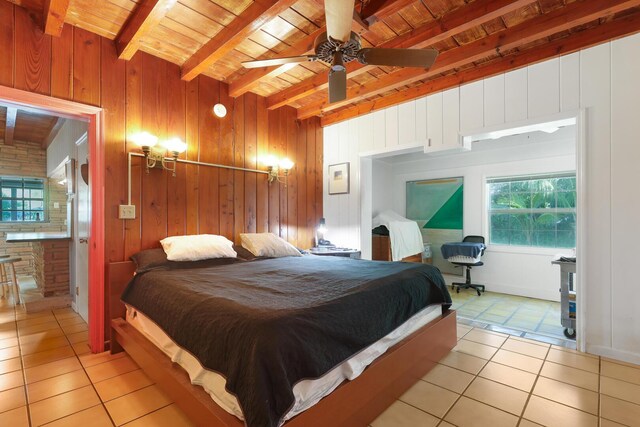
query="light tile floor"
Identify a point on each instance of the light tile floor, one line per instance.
(532, 316)
(49, 377)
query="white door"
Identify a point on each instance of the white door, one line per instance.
(82, 220)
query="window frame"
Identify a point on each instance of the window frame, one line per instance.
(487, 211)
(45, 199)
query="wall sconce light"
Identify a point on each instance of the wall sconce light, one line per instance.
(274, 167)
(176, 146)
(154, 156)
(146, 142)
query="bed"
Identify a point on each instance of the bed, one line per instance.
(267, 327)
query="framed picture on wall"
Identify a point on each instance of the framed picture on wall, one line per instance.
(339, 178)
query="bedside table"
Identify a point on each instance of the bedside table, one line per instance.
(346, 253)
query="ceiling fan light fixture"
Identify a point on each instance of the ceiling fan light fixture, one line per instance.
(338, 63)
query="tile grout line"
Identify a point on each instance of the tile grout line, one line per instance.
(599, 385)
(475, 376)
(87, 374)
(24, 372)
(538, 375)
(533, 387)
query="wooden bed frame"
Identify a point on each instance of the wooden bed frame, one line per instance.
(354, 403)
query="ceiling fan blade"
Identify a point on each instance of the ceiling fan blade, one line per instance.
(423, 58)
(278, 61)
(337, 85)
(339, 16)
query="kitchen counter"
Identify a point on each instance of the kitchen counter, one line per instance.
(37, 236)
(50, 251)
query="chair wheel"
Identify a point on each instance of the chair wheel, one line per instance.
(478, 291)
(452, 287)
(457, 290)
(570, 333)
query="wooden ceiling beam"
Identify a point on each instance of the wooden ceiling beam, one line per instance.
(55, 129)
(248, 22)
(582, 40)
(562, 19)
(10, 125)
(145, 18)
(54, 13)
(455, 22)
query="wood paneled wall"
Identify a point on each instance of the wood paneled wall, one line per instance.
(146, 93)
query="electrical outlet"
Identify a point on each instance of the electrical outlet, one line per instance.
(56, 205)
(127, 212)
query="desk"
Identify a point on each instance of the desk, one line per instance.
(567, 297)
(346, 253)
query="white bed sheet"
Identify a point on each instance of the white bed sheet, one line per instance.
(404, 234)
(307, 392)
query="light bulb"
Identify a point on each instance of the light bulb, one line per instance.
(220, 110)
(270, 161)
(175, 145)
(286, 164)
(144, 139)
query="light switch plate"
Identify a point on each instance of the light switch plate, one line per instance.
(127, 212)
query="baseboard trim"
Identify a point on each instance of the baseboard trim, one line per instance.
(612, 353)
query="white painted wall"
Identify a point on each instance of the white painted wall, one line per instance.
(521, 271)
(382, 179)
(63, 145)
(602, 81)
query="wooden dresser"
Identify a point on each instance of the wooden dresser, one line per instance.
(381, 250)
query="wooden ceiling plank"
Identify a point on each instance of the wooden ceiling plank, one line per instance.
(55, 129)
(251, 79)
(304, 46)
(378, 9)
(54, 13)
(145, 17)
(457, 21)
(575, 14)
(10, 125)
(622, 27)
(255, 16)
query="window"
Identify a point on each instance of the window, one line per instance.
(22, 199)
(535, 211)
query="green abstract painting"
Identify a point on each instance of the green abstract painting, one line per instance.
(437, 206)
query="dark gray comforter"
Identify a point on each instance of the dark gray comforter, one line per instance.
(267, 324)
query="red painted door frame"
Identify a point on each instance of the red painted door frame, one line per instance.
(95, 117)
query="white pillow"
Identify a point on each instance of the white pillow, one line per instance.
(197, 247)
(268, 245)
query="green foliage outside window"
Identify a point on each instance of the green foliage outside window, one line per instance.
(22, 199)
(533, 211)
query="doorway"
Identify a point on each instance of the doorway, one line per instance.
(95, 147)
(395, 169)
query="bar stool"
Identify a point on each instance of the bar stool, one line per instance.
(12, 281)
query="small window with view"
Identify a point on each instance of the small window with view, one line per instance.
(22, 199)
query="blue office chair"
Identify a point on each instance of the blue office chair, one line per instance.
(467, 284)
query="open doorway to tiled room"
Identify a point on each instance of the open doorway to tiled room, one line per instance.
(524, 317)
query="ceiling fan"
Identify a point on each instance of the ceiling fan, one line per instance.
(339, 45)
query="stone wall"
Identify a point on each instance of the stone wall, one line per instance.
(29, 160)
